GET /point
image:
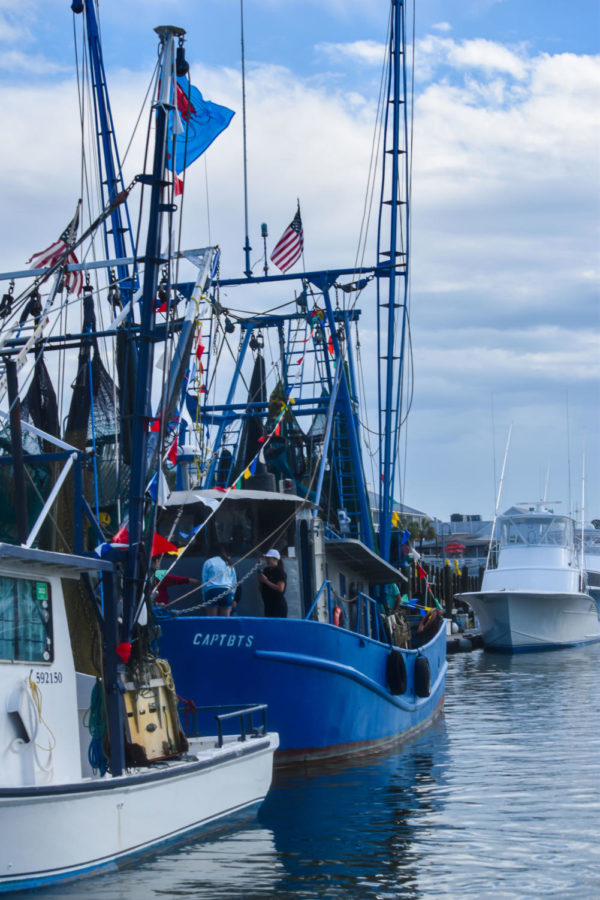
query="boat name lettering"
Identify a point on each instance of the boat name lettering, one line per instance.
(48, 677)
(223, 640)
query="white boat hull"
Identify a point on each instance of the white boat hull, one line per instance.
(64, 831)
(530, 620)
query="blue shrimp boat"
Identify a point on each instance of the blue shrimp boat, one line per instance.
(274, 461)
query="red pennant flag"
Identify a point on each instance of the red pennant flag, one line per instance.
(161, 545)
(277, 430)
(172, 454)
(421, 572)
(122, 536)
(330, 344)
(178, 185)
(155, 425)
(124, 651)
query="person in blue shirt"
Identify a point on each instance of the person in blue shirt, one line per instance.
(218, 584)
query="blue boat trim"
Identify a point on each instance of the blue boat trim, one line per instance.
(537, 648)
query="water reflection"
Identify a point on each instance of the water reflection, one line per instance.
(498, 798)
(325, 831)
(351, 831)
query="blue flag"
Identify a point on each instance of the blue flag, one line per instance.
(202, 122)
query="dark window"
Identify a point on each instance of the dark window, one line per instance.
(25, 620)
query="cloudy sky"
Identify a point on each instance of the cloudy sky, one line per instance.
(505, 303)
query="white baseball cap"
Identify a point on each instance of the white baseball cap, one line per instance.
(273, 553)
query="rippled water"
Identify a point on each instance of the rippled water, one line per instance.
(500, 797)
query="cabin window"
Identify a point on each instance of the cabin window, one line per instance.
(536, 531)
(25, 620)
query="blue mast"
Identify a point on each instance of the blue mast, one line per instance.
(392, 305)
(134, 572)
(111, 178)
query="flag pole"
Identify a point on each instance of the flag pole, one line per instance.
(247, 247)
(300, 214)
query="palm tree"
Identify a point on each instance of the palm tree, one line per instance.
(421, 530)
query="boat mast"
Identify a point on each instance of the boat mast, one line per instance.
(111, 180)
(134, 574)
(392, 303)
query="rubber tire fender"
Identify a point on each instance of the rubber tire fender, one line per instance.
(422, 677)
(396, 672)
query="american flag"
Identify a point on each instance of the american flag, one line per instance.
(52, 254)
(290, 245)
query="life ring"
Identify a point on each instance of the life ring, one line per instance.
(396, 672)
(422, 677)
(338, 612)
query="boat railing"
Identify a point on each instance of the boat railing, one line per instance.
(368, 618)
(325, 587)
(248, 725)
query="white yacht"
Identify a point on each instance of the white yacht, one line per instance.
(536, 597)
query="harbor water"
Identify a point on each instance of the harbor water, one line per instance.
(500, 797)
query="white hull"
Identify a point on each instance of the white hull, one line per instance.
(63, 831)
(532, 620)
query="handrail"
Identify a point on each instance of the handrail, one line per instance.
(372, 615)
(244, 713)
(326, 584)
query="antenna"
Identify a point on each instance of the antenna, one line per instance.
(247, 247)
(546, 484)
(582, 555)
(487, 562)
(568, 456)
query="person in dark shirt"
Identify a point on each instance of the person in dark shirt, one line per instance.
(272, 581)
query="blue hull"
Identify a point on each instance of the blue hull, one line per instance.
(325, 687)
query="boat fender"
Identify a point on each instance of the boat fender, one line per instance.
(396, 672)
(337, 615)
(422, 677)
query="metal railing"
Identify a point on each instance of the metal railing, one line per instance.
(248, 727)
(368, 618)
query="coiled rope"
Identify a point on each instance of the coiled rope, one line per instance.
(95, 721)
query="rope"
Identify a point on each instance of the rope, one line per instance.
(95, 721)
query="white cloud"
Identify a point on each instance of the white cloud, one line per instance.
(15, 60)
(479, 54)
(505, 218)
(15, 20)
(370, 53)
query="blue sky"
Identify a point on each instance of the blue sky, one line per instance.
(505, 301)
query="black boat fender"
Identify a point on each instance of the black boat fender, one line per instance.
(396, 672)
(422, 677)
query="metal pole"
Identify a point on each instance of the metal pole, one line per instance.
(247, 247)
(17, 449)
(143, 388)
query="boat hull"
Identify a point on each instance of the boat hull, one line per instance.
(325, 687)
(514, 621)
(60, 832)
